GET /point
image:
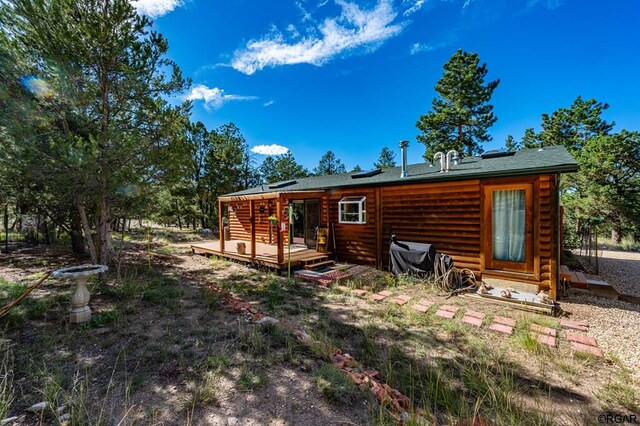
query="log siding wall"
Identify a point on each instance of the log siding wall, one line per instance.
(240, 223)
(449, 216)
(355, 242)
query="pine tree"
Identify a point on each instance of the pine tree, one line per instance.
(356, 169)
(574, 126)
(461, 113)
(329, 165)
(530, 139)
(511, 145)
(281, 168)
(97, 106)
(387, 158)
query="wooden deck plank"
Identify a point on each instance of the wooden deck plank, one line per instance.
(565, 272)
(266, 255)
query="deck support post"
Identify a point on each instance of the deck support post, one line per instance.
(221, 225)
(252, 219)
(279, 238)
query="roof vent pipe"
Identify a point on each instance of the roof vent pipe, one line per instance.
(403, 147)
(452, 156)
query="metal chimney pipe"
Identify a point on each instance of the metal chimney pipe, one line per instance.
(403, 147)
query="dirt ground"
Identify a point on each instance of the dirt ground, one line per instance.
(161, 350)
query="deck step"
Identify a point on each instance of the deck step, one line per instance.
(565, 272)
(312, 266)
(578, 280)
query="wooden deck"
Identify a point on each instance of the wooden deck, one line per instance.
(266, 254)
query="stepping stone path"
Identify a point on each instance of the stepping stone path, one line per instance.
(423, 306)
(581, 338)
(381, 295)
(447, 311)
(592, 350)
(544, 335)
(574, 325)
(502, 325)
(473, 318)
(401, 300)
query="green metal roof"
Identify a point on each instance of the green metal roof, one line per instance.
(552, 159)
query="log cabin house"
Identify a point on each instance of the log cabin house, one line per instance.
(497, 214)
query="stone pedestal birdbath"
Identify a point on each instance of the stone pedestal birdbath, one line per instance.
(80, 310)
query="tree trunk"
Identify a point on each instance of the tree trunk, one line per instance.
(86, 229)
(104, 231)
(77, 241)
(616, 233)
(6, 228)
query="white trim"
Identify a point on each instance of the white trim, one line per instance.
(360, 202)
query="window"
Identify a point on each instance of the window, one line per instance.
(509, 239)
(352, 210)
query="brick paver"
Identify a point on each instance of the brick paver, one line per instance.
(544, 330)
(501, 328)
(582, 339)
(450, 308)
(505, 321)
(575, 325)
(402, 299)
(359, 292)
(475, 321)
(445, 314)
(474, 314)
(546, 339)
(425, 302)
(420, 308)
(579, 347)
(377, 297)
(385, 293)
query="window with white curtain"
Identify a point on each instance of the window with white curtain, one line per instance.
(352, 210)
(509, 225)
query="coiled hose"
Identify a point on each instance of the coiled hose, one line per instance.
(451, 279)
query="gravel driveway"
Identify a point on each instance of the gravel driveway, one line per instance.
(614, 324)
(621, 269)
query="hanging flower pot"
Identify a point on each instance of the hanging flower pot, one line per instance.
(273, 220)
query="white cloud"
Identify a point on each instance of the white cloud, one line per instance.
(155, 8)
(416, 5)
(420, 47)
(268, 103)
(306, 16)
(270, 149)
(354, 28)
(214, 97)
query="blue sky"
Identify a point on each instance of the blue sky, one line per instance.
(353, 77)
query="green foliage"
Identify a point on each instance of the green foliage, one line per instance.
(335, 385)
(103, 319)
(251, 379)
(387, 158)
(609, 178)
(573, 127)
(281, 168)
(90, 125)
(461, 114)
(510, 143)
(162, 295)
(329, 165)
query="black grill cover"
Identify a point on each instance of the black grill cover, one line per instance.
(412, 258)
